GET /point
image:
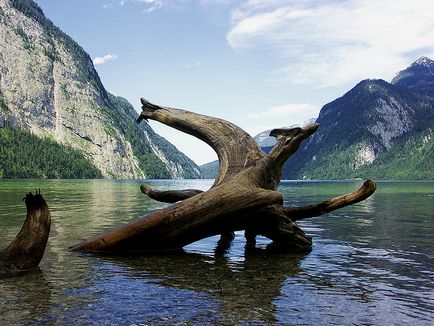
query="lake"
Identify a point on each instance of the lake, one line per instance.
(372, 263)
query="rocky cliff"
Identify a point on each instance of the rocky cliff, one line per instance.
(48, 85)
(376, 130)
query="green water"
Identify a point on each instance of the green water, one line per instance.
(372, 263)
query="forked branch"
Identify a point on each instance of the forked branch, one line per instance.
(243, 196)
(235, 148)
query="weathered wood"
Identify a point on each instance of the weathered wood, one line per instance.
(235, 148)
(27, 249)
(243, 196)
(187, 221)
(169, 196)
(299, 213)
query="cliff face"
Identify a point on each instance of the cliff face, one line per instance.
(376, 130)
(48, 85)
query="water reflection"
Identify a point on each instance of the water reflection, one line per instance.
(237, 292)
(371, 263)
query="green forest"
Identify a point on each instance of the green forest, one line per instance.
(121, 115)
(389, 165)
(24, 155)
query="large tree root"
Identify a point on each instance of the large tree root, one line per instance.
(243, 196)
(27, 249)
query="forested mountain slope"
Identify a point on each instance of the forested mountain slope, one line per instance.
(48, 86)
(376, 130)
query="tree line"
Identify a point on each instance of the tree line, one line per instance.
(24, 155)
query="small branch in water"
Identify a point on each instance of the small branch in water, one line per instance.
(27, 249)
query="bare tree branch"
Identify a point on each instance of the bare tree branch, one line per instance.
(299, 213)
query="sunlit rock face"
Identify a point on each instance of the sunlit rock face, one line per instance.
(375, 130)
(48, 85)
(374, 127)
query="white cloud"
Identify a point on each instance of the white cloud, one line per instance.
(279, 116)
(290, 111)
(150, 5)
(193, 65)
(104, 59)
(327, 43)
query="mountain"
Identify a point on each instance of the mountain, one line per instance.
(417, 77)
(376, 130)
(264, 139)
(27, 156)
(209, 170)
(50, 88)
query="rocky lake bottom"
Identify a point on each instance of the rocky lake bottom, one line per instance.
(372, 263)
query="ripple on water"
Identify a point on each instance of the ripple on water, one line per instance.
(370, 264)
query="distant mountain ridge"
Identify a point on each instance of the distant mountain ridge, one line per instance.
(376, 130)
(48, 85)
(417, 77)
(265, 140)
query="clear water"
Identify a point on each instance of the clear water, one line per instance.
(372, 263)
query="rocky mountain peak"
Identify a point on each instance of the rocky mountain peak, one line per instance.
(375, 130)
(423, 61)
(265, 140)
(419, 76)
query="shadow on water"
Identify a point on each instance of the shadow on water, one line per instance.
(238, 291)
(371, 263)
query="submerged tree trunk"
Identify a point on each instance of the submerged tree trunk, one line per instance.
(243, 196)
(27, 249)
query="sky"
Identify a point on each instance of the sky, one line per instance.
(260, 64)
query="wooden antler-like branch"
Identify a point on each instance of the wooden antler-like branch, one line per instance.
(288, 141)
(235, 148)
(185, 222)
(243, 197)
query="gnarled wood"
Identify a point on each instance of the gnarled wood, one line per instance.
(27, 249)
(243, 197)
(187, 221)
(235, 148)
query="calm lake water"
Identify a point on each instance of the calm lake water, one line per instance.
(372, 263)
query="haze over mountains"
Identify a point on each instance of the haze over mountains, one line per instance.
(376, 130)
(48, 86)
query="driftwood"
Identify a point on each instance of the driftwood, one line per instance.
(243, 196)
(171, 196)
(27, 249)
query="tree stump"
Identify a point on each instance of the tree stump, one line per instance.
(27, 249)
(243, 196)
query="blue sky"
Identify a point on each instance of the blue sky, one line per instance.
(261, 64)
